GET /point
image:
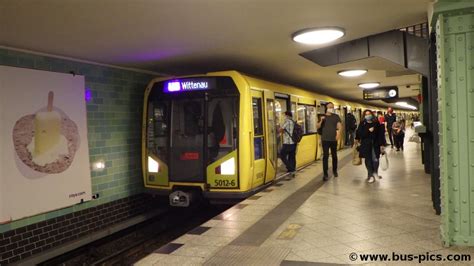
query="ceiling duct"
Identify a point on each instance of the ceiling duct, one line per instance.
(397, 46)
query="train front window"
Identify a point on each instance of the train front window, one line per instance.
(222, 127)
(187, 139)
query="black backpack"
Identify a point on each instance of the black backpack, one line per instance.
(297, 132)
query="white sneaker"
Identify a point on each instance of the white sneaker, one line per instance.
(371, 179)
(377, 176)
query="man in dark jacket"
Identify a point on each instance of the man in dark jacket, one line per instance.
(351, 126)
(390, 118)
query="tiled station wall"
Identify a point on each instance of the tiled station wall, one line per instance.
(114, 115)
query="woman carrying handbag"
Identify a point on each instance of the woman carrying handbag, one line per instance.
(371, 136)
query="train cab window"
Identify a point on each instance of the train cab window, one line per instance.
(258, 128)
(221, 127)
(157, 129)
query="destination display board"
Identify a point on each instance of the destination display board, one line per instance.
(189, 84)
(381, 93)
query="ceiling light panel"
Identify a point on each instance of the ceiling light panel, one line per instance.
(369, 85)
(318, 35)
(352, 73)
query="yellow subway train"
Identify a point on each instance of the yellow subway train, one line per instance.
(215, 135)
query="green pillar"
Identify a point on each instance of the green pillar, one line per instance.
(454, 25)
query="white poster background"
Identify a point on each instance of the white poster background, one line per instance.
(24, 191)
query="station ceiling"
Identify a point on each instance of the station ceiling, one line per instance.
(178, 37)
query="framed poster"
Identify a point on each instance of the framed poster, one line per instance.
(44, 151)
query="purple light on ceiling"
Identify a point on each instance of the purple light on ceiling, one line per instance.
(88, 95)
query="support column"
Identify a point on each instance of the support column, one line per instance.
(454, 22)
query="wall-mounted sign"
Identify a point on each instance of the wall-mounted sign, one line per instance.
(381, 93)
(191, 84)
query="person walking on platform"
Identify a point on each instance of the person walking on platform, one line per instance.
(390, 118)
(288, 150)
(370, 135)
(399, 134)
(331, 132)
(381, 118)
(351, 126)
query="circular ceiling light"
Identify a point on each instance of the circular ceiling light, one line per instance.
(352, 73)
(369, 85)
(318, 35)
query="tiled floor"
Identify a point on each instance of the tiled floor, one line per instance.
(323, 224)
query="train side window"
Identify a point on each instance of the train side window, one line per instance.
(293, 109)
(301, 118)
(307, 118)
(311, 119)
(258, 128)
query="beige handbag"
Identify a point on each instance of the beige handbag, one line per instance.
(356, 160)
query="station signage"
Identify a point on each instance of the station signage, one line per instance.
(381, 93)
(191, 84)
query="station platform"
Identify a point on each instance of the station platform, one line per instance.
(305, 221)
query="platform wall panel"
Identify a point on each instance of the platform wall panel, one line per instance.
(114, 114)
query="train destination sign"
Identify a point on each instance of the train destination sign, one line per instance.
(192, 84)
(381, 93)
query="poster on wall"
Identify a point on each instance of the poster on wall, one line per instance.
(44, 155)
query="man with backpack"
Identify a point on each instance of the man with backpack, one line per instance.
(290, 139)
(330, 128)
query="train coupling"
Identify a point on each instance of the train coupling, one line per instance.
(182, 198)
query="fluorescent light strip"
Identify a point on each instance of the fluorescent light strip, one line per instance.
(406, 105)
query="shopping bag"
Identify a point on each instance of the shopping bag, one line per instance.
(384, 162)
(415, 138)
(356, 160)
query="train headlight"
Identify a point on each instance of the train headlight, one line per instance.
(227, 167)
(153, 165)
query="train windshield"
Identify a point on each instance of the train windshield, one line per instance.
(190, 130)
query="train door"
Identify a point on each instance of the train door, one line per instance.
(259, 156)
(338, 112)
(281, 106)
(321, 112)
(271, 136)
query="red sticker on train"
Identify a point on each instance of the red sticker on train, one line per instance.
(189, 156)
